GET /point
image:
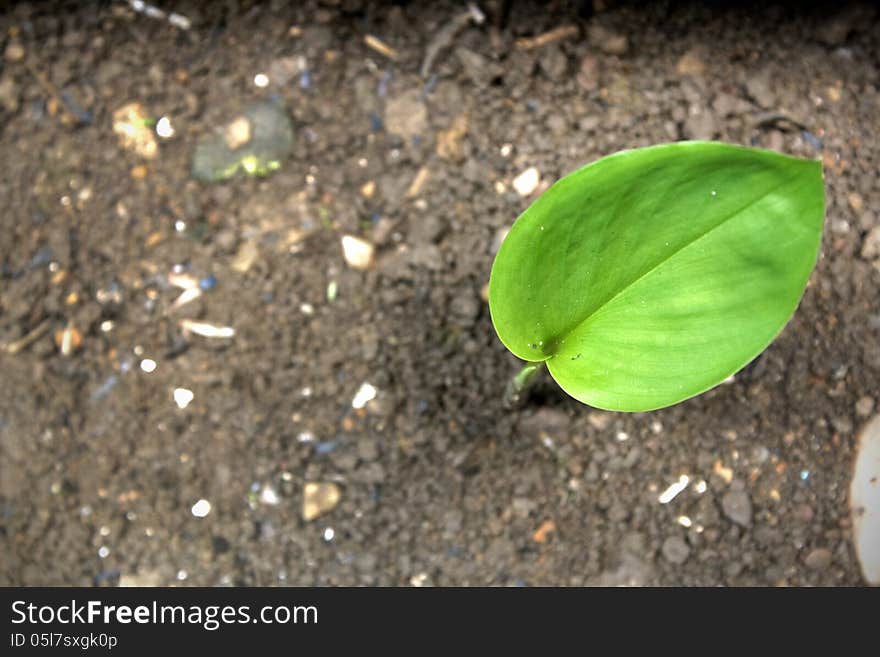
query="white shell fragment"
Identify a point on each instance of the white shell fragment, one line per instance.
(670, 493)
(365, 393)
(527, 182)
(206, 330)
(864, 499)
(186, 297)
(358, 253)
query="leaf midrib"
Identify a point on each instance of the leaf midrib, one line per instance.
(558, 340)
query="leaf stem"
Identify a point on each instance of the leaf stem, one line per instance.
(520, 382)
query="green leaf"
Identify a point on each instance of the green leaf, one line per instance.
(652, 275)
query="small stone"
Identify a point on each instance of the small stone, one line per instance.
(864, 406)
(14, 52)
(523, 507)
(700, 126)
(737, 507)
(358, 253)
(9, 94)
(201, 508)
(588, 73)
(148, 578)
(541, 533)
(818, 559)
(269, 496)
(464, 308)
(428, 256)
(760, 89)
(449, 141)
(553, 63)
(406, 115)
(237, 133)
(319, 498)
(599, 420)
(131, 124)
(139, 172)
(607, 41)
(726, 105)
(871, 244)
(246, 256)
(283, 70)
(527, 182)
(690, 64)
(855, 200)
(68, 340)
(365, 394)
(480, 70)
(183, 397)
(675, 550)
(226, 240)
(368, 450)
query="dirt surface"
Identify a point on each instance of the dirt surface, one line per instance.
(104, 475)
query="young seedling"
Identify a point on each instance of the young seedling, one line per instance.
(652, 275)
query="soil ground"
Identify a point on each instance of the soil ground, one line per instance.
(103, 473)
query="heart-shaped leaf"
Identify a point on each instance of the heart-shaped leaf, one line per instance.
(652, 275)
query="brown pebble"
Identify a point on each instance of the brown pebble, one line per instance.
(319, 498)
(818, 559)
(864, 406)
(541, 533)
(14, 52)
(690, 64)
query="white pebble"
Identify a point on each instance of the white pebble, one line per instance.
(201, 508)
(206, 330)
(261, 80)
(182, 397)
(148, 365)
(527, 182)
(358, 253)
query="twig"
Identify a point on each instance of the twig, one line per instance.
(381, 47)
(25, 341)
(447, 35)
(556, 34)
(55, 92)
